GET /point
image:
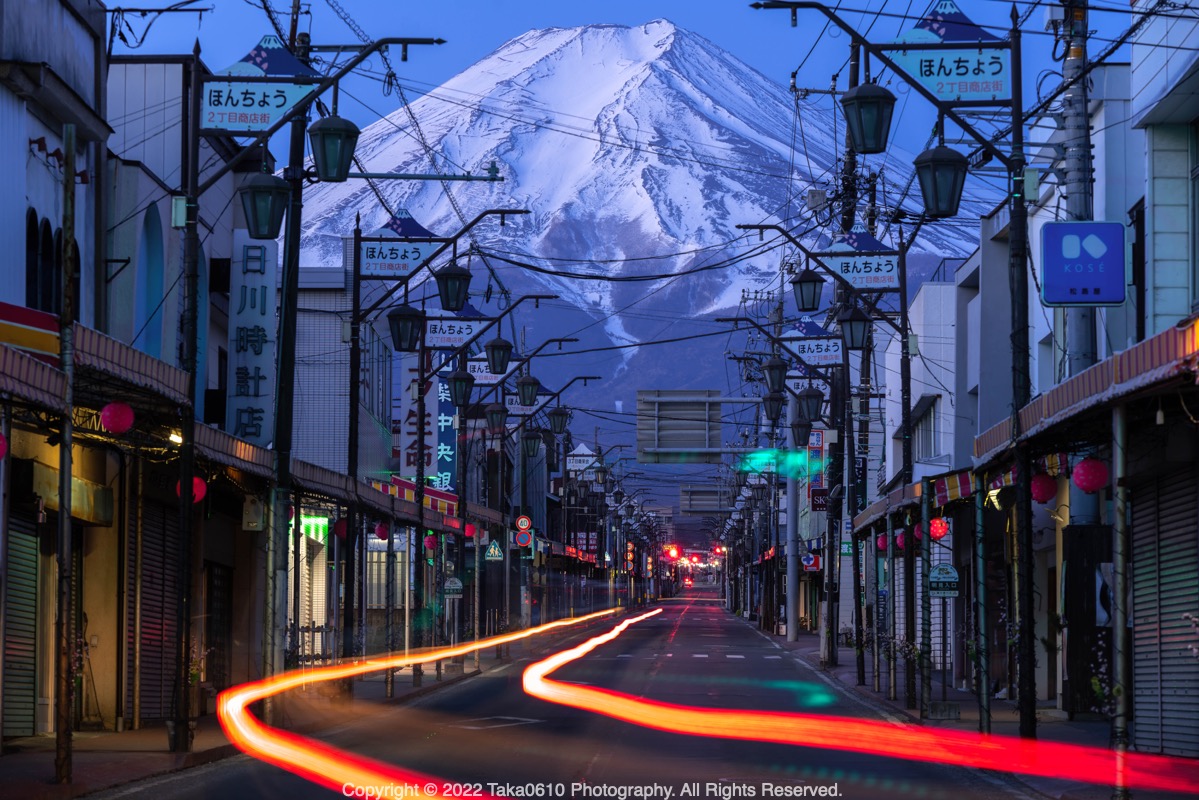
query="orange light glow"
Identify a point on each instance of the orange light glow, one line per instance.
(1004, 753)
(321, 763)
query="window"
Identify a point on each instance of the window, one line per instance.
(926, 440)
(43, 265)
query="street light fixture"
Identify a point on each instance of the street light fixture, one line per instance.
(499, 353)
(868, 110)
(801, 432)
(407, 324)
(807, 286)
(942, 174)
(855, 326)
(775, 372)
(526, 389)
(264, 198)
(601, 473)
(810, 401)
(531, 439)
(453, 282)
(497, 418)
(773, 406)
(333, 139)
(460, 383)
(559, 417)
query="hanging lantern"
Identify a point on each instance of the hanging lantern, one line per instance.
(1042, 487)
(942, 175)
(430, 542)
(497, 417)
(341, 527)
(526, 389)
(407, 326)
(199, 489)
(264, 200)
(559, 418)
(333, 140)
(1090, 475)
(868, 108)
(381, 530)
(880, 543)
(453, 283)
(937, 529)
(116, 418)
(499, 353)
(899, 541)
(775, 372)
(806, 286)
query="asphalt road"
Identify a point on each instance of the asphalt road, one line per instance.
(485, 734)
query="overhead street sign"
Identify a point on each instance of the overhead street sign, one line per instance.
(864, 270)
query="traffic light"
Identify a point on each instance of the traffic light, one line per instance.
(672, 551)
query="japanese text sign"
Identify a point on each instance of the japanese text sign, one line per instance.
(1083, 264)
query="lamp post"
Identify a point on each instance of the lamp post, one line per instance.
(941, 175)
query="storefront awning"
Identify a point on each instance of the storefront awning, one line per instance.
(28, 380)
(1168, 355)
(93, 350)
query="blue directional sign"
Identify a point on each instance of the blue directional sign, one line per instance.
(1083, 263)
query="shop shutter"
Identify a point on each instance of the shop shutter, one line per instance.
(158, 633)
(20, 628)
(1165, 576)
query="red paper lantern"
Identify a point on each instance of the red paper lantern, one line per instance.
(340, 528)
(899, 541)
(116, 418)
(1090, 475)
(3, 446)
(381, 530)
(199, 489)
(881, 542)
(430, 542)
(1042, 487)
(937, 529)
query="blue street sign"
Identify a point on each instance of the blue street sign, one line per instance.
(1083, 263)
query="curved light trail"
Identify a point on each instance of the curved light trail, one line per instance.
(1001, 753)
(324, 764)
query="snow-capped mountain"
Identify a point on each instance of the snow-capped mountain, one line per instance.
(637, 150)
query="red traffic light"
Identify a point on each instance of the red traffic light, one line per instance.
(672, 551)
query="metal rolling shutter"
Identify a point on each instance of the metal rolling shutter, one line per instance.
(20, 628)
(158, 633)
(1165, 586)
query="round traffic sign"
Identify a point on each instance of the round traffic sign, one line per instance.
(523, 523)
(523, 538)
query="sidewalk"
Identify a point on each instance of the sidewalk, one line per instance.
(104, 760)
(1052, 725)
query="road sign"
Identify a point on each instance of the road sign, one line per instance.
(523, 538)
(942, 581)
(450, 333)
(980, 70)
(252, 94)
(811, 562)
(523, 523)
(1083, 263)
(494, 553)
(453, 588)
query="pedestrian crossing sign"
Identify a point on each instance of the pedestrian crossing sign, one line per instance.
(493, 552)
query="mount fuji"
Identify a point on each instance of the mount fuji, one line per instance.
(637, 152)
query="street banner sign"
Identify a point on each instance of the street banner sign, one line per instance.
(450, 333)
(812, 344)
(395, 249)
(1083, 263)
(494, 553)
(580, 459)
(483, 377)
(979, 70)
(515, 409)
(943, 581)
(251, 95)
(453, 589)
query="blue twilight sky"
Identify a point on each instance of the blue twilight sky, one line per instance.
(764, 39)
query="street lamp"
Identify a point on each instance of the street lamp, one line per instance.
(942, 174)
(807, 286)
(499, 353)
(531, 439)
(801, 432)
(855, 326)
(407, 324)
(775, 372)
(460, 384)
(810, 401)
(868, 110)
(497, 418)
(264, 198)
(453, 282)
(333, 139)
(526, 389)
(773, 406)
(559, 417)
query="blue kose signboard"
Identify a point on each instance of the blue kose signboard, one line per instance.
(1083, 263)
